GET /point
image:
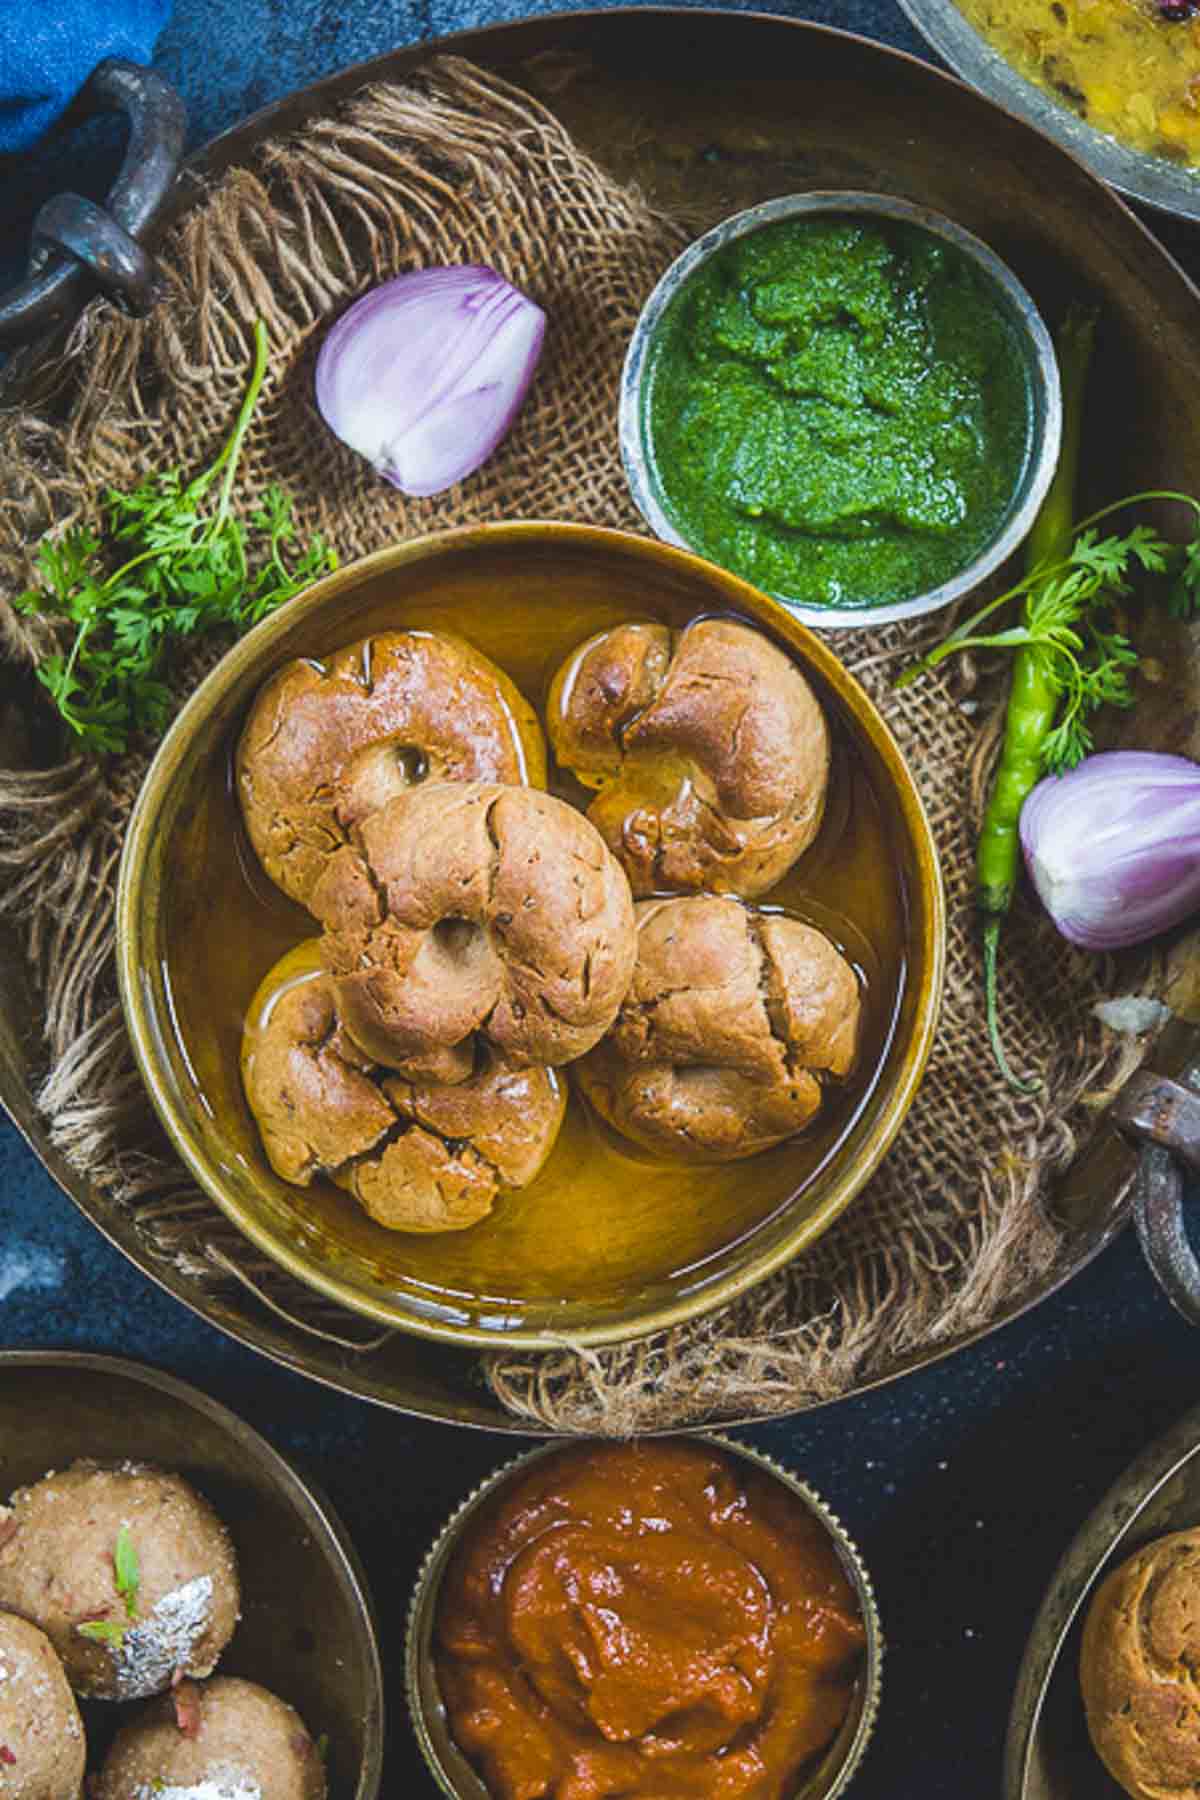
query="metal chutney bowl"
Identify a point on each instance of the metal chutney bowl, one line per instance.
(306, 1630)
(1028, 332)
(823, 1779)
(1172, 187)
(607, 1243)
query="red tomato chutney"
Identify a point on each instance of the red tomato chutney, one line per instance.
(652, 1619)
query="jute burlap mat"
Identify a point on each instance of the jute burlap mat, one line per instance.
(460, 167)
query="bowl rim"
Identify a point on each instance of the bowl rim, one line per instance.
(1156, 180)
(418, 1632)
(1046, 428)
(244, 661)
(318, 1514)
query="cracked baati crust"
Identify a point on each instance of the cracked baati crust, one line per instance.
(708, 746)
(731, 1018)
(418, 1157)
(328, 743)
(470, 913)
(1139, 1669)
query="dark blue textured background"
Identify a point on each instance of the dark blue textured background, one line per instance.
(962, 1485)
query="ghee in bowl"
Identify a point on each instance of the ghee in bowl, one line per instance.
(663, 1616)
(846, 400)
(608, 1241)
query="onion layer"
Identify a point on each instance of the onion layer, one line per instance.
(424, 375)
(1113, 848)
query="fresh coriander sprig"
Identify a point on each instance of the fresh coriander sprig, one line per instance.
(1068, 622)
(127, 1579)
(105, 1631)
(127, 1571)
(193, 566)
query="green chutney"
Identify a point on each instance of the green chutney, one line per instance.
(839, 411)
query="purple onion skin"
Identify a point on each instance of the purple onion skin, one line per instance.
(425, 374)
(1113, 847)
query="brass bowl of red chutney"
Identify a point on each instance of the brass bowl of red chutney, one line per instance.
(610, 1240)
(671, 1615)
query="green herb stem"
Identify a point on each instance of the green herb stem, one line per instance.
(231, 455)
(190, 571)
(1034, 693)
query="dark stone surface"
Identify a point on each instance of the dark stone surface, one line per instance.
(962, 1485)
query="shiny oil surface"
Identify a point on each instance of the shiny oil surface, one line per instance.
(607, 1235)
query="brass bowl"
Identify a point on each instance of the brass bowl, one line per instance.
(454, 1775)
(306, 1630)
(608, 1242)
(1026, 328)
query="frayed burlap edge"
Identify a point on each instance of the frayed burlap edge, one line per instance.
(951, 1232)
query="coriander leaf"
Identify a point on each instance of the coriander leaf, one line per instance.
(1183, 601)
(1067, 618)
(1065, 745)
(127, 1570)
(104, 1631)
(190, 568)
(1152, 551)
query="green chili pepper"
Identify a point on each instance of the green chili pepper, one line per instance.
(1035, 693)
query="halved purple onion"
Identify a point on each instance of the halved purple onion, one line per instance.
(424, 375)
(1113, 847)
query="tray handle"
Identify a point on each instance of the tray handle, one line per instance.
(1163, 1118)
(77, 245)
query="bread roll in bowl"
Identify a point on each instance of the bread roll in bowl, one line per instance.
(708, 746)
(417, 1157)
(475, 911)
(732, 1018)
(328, 743)
(1139, 1669)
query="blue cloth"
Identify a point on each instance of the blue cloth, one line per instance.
(48, 48)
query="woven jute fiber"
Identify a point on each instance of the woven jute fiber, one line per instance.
(460, 167)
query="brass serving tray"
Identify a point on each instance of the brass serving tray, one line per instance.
(1048, 1755)
(709, 113)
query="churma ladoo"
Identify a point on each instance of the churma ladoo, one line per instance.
(733, 1020)
(224, 1739)
(475, 914)
(328, 743)
(645, 1619)
(42, 1746)
(709, 749)
(1138, 1669)
(126, 1569)
(417, 1156)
